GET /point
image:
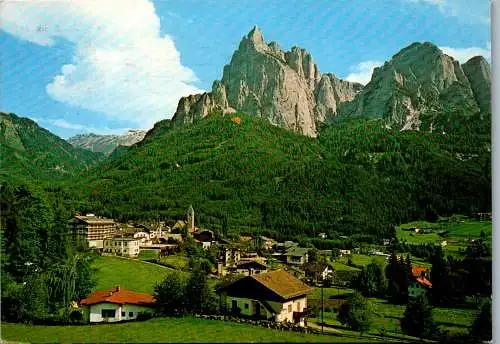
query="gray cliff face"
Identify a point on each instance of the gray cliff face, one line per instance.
(286, 88)
(106, 143)
(478, 71)
(418, 83)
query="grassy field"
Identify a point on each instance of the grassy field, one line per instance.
(329, 293)
(341, 266)
(177, 262)
(470, 229)
(456, 238)
(386, 316)
(148, 254)
(130, 274)
(166, 330)
(420, 224)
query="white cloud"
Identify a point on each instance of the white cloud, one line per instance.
(464, 54)
(122, 66)
(363, 71)
(477, 11)
(62, 123)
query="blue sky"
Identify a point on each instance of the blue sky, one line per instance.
(91, 66)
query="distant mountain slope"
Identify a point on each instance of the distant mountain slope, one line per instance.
(286, 88)
(421, 87)
(30, 152)
(357, 177)
(106, 143)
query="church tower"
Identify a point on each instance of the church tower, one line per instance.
(190, 219)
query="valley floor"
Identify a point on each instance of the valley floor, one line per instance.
(177, 330)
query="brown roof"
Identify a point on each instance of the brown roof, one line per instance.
(282, 283)
(120, 296)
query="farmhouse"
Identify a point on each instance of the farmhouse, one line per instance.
(93, 229)
(117, 304)
(128, 247)
(275, 295)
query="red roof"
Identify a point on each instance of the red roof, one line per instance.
(120, 296)
(425, 282)
(417, 271)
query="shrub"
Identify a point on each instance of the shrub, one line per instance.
(356, 313)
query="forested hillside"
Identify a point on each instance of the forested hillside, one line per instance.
(357, 177)
(28, 152)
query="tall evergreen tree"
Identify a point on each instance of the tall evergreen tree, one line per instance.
(438, 276)
(417, 320)
(199, 294)
(482, 327)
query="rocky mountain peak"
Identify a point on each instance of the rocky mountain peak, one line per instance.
(106, 143)
(265, 81)
(478, 71)
(419, 81)
(255, 36)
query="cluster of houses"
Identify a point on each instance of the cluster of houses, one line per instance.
(269, 295)
(127, 240)
(264, 293)
(274, 295)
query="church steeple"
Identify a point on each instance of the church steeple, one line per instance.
(190, 218)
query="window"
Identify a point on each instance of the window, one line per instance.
(108, 313)
(123, 314)
(246, 305)
(130, 314)
(290, 308)
(298, 306)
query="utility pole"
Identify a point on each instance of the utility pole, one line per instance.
(322, 308)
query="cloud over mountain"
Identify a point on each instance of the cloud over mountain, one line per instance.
(122, 66)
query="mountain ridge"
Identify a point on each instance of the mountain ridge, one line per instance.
(419, 87)
(107, 143)
(286, 87)
(29, 150)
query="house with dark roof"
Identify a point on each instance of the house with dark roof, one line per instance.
(117, 304)
(297, 255)
(250, 268)
(275, 295)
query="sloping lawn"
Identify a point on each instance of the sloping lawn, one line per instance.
(130, 274)
(178, 262)
(387, 317)
(148, 254)
(470, 229)
(165, 330)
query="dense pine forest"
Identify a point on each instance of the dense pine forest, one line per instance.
(357, 178)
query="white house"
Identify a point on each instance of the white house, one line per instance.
(326, 273)
(117, 304)
(122, 246)
(275, 295)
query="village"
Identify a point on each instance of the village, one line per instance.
(276, 277)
